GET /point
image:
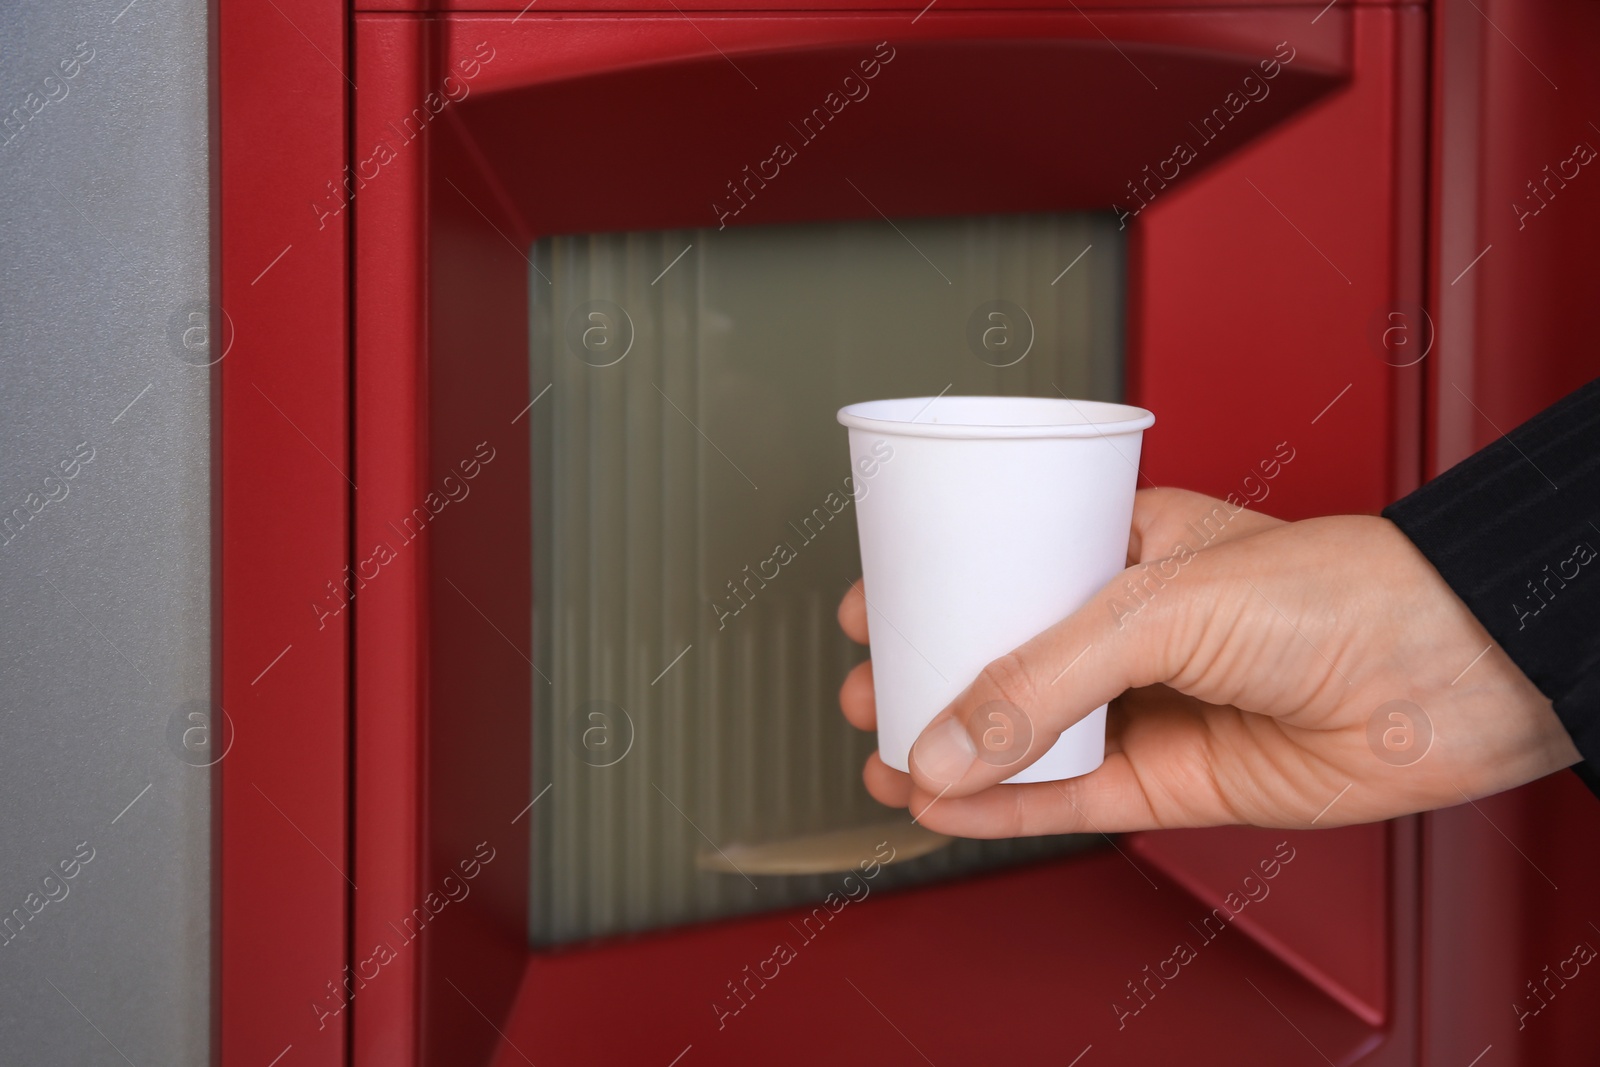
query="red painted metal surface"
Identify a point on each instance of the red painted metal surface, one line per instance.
(955, 92)
(390, 433)
(471, 190)
(1508, 882)
(479, 732)
(902, 9)
(442, 693)
(1021, 967)
(1545, 232)
(1335, 933)
(1236, 297)
(1508, 886)
(1516, 326)
(1259, 284)
(284, 503)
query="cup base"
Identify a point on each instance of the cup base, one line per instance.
(1079, 750)
(1076, 752)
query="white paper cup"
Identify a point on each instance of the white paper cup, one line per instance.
(985, 520)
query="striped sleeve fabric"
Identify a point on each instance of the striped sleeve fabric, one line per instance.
(1515, 531)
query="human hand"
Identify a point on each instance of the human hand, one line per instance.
(1243, 687)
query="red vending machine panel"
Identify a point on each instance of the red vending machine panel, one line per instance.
(1283, 179)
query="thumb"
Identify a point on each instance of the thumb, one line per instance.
(1140, 629)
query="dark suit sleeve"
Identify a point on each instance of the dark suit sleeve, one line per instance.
(1515, 531)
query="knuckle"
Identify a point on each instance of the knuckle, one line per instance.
(1009, 679)
(1071, 816)
(1016, 822)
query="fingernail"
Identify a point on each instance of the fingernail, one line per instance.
(944, 752)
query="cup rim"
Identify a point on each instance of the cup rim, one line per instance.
(1094, 418)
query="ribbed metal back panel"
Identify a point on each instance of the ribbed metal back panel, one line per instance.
(688, 697)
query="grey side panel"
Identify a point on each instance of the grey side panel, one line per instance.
(105, 554)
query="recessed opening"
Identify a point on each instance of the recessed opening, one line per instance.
(583, 131)
(693, 531)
